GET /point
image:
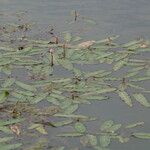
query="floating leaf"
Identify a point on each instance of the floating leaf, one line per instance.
(101, 91)
(39, 97)
(92, 139)
(79, 127)
(58, 148)
(26, 86)
(73, 134)
(135, 86)
(141, 99)
(141, 135)
(119, 65)
(140, 79)
(67, 36)
(41, 129)
(125, 97)
(71, 109)
(5, 130)
(92, 22)
(114, 128)
(71, 116)
(66, 64)
(131, 43)
(106, 125)
(122, 139)
(99, 98)
(8, 82)
(104, 140)
(3, 96)
(134, 125)
(5, 139)
(76, 38)
(62, 123)
(10, 146)
(88, 140)
(11, 121)
(100, 148)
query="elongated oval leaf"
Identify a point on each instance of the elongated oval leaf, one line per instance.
(135, 125)
(125, 97)
(72, 134)
(26, 86)
(10, 146)
(141, 99)
(142, 135)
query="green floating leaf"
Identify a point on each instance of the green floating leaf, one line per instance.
(66, 64)
(6, 62)
(125, 97)
(8, 82)
(104, 140)
(26, 86)
(88, 140)
(72, 116)
(122, 139)
(114, 128)
(89, 21)
(62, 123)
(76, 38)
(99, 98)
(100, 148)
(135, 86)
(92, 139)
(106, 125)
(3, 96)
(134, 125)
(10, 146)
(79, 127)
(131, 43)
(140, 79)
(5, 129)
(141, 135)
(107, 39)
(58, 148)
(67, 36)
(119, 65)
(73, 134)
(24, 92)
(148, 72)
(11, 121)
(70, 109)
(39, 97)
(41, 129)
(5, 139)
(100, 91)
(141, 99)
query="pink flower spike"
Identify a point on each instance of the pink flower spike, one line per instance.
(51, 50)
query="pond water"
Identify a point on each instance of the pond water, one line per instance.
(130, 19)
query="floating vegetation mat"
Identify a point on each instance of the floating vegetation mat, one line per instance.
(41, 100)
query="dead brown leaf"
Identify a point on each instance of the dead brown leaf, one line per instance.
(86, 44)
(15, 129)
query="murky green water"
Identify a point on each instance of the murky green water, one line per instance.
(129, 19)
